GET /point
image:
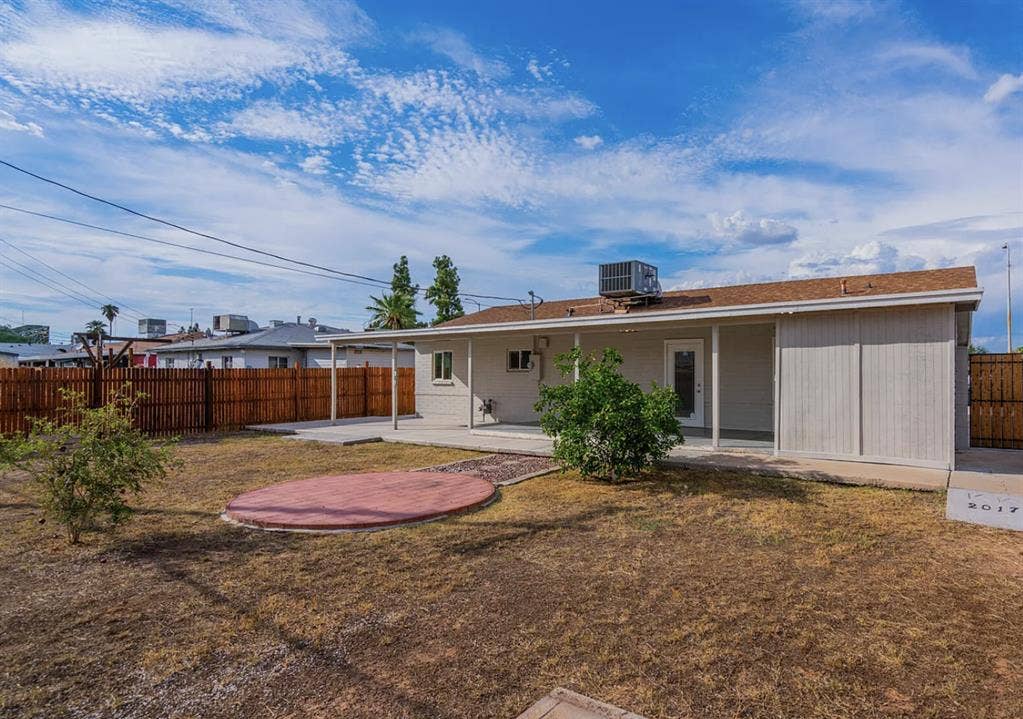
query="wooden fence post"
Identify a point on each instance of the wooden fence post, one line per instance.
(365, 390)
(208, 398)
(97, 385)
(295, 377)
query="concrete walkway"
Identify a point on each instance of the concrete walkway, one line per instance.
(987, 488)
(696, 454)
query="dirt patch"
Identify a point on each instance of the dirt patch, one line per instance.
(689, 594)
(499, 469)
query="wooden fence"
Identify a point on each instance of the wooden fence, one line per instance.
(996, 400)
(182, 401)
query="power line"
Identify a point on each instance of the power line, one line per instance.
(214, 253)
(43, 282)
(131, 309)
(176, 226)
(79, 295)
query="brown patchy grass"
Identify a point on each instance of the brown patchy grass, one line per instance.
(688, 594)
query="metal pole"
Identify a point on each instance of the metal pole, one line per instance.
(532, 305)
(715, 387)
(575, 369)
(472, 415)
(1008, 297)
(394, 385)
(333, 383)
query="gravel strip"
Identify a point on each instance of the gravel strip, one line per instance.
(499, 468)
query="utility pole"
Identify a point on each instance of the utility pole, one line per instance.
(1008, 297)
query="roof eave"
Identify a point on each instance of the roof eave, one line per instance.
(968, 296)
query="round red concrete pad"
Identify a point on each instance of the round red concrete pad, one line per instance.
(359, 501)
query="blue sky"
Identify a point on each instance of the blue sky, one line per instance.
(723, 142)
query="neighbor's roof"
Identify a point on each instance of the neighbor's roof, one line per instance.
(280, 337)
(892, 283)
(38, 350)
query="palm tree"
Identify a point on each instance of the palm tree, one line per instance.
(392, 312)
(95, 328)
(110, 312)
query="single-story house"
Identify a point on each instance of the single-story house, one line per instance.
(864, 368)
(46, 355)
(282, 345)
(8, 358)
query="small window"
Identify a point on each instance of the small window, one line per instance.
(168, 362)
(226, 362)
(277, 362)
(442, 366)
(520, 360)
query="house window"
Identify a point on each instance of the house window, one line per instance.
(226, 362)
(168, 362)
(277, 362)
(519, 360)
(442, 366)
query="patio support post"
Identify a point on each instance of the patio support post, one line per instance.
(333, 382)
(715, 386)
(575, 370)
(394, 385)
(468, 356)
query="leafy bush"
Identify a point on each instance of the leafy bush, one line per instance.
(87, 461)
(604, 425)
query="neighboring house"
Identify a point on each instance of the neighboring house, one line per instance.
(46, 355)
(286, 344)
(868, 368)
(8, 359)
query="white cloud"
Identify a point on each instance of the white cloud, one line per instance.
(868, 258)
(538, 71)
(912, 54)
(589, 142)
(316, 164)
(743, 229)
(456, 47)
(138, 65)
(318, 125)
(1003, 87)
(10, 122)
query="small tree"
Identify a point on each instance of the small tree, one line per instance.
(86, 462)
(604, 425)
(443, 293)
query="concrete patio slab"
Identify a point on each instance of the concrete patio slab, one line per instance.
(566, 704)
(987, 488)
(526, 440)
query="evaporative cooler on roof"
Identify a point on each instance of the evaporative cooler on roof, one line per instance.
(628, 279)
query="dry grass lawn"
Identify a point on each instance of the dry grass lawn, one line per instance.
(688, 594)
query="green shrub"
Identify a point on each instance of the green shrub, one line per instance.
(87, 462)
(604, 425)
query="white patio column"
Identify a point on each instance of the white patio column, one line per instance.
(575, 371)
(333, 382)
(715, 386)
(394, 385)
(468, 357)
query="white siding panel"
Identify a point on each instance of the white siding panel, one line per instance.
(818, 383)
(906, 374)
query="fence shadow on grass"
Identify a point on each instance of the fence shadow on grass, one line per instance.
(729, 484)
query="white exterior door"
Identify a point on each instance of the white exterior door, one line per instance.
(683, 372)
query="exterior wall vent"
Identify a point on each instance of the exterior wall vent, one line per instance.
(628, 279)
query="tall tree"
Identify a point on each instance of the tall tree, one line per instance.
(401, 283)
(110, 312)
(392, 312)
(443, 293)
(95, 328)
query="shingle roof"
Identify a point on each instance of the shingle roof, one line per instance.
(891, 283)
(281, 337)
